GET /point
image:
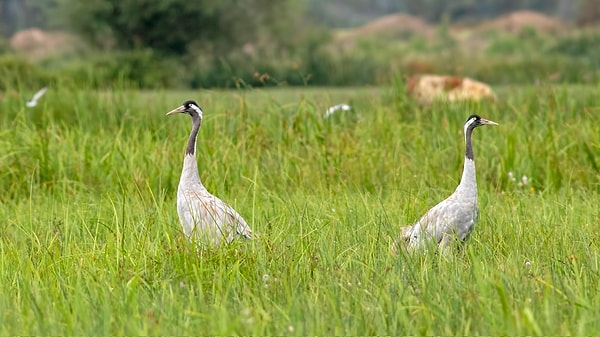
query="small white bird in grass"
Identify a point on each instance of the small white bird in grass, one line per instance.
(332, 109)
(455, 217)
(205, 218)
(36, 97)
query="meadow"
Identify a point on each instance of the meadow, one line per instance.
(90, 242)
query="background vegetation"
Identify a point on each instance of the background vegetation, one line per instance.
(203, 44)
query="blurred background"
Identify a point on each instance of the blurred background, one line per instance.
(225, 43)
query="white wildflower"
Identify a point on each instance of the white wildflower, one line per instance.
(247, 316)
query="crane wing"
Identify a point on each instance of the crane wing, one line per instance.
(207, 217)
(448, 219)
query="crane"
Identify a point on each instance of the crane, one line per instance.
(205, 218)
(34, 100)
(455, 217)
(332, 109)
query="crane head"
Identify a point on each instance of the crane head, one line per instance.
(475, 120)
(189, 107)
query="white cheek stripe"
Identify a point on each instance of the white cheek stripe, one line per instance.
(467, 124)
(197, 109)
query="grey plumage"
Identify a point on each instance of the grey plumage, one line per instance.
(454, 218)
(205, 218)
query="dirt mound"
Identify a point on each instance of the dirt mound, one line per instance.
(389, 26)
(36, 44)
(395, 23)
(515, 22)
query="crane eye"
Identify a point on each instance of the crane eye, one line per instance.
(470, 122)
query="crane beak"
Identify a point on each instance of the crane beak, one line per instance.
(180, 109)
(487, 122)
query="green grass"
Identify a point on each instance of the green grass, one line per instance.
(90, 242)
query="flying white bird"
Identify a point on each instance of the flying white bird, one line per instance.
(36, 97)
(332, 109)
(454, 218)
(204, 217)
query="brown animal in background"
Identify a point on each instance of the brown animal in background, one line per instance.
(427, 88)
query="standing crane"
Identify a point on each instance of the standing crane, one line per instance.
(204, 217)
(454, 218)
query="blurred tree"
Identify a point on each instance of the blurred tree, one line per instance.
(170, 26)
(126, 23)
(21, 14)
(589, 13)
(566, 9)
(10, 18)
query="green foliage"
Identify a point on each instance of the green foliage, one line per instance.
(510, 70)
(316, 266)
(524, 44)
(207, 44)
(16, 72)
(91, 243)
(173, 26)
(137, 69)
(316, 57)
(4, 46)
(583, 46)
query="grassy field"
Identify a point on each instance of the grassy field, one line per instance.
(90, 242)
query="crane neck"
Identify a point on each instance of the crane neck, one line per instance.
(468, 181)
(468, 146)
(189, 173)
(191, 144)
